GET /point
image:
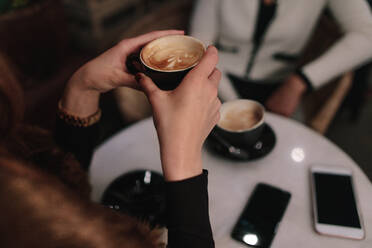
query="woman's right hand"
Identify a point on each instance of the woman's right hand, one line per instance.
(185, 116)
(106, 72)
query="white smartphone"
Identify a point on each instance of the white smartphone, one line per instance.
(335, 205)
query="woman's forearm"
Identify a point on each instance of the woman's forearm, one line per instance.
(78, 99)
(352, 50)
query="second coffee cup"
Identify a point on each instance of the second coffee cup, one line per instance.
(241, 122)
(167, 60)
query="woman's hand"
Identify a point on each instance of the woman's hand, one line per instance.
(106, 72)
(185, 116)
(285, 100)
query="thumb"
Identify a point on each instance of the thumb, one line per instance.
(147, 85)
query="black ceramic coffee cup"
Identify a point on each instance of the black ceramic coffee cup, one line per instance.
(167, 60)
(241, 122)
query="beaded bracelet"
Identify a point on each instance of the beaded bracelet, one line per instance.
(77, 121)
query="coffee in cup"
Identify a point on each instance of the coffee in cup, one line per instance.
(239, 118)
(172, 53)
(241, 122)
(167, 60)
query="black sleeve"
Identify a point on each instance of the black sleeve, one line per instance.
(306, 80)
(80, 141)
(188, 214)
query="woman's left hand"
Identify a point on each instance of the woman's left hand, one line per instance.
(185, 116)
(106, 72)
(285, 100)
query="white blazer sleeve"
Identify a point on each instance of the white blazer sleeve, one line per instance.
(204, 21)
(353, 49)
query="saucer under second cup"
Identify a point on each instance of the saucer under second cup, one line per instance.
(262, 147)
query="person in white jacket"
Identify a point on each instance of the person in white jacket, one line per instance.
(260, 40)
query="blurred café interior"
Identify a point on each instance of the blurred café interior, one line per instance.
(43, 42)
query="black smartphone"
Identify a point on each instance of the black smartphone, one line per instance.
(260, 219)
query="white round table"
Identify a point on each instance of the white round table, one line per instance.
(231, 183)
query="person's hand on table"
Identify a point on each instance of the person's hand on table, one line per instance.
(185, 116)
(106, 72)
(286, 98)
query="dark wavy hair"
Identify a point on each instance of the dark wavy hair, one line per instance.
(44, 193)
(38, 210)
(29, 143)
(11, 98)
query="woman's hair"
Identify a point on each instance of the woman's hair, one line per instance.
(37, 210)
(11, 98)
(44, 193)
(29, 143)
(37, 147)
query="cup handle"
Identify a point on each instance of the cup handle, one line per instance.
(133, 63)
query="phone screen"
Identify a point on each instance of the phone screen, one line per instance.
(258, 223)
(335, 200)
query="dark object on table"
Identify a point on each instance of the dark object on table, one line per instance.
(260, 218)
(140, 194)
(261, 148)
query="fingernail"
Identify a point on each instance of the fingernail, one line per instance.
(212, 47)
(138, 77)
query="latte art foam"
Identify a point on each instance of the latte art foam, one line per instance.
(240, 115)
(172, 53)
(239, 119)
(173, 58)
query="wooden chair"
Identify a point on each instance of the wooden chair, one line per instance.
(321, 106)
(331, 98)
